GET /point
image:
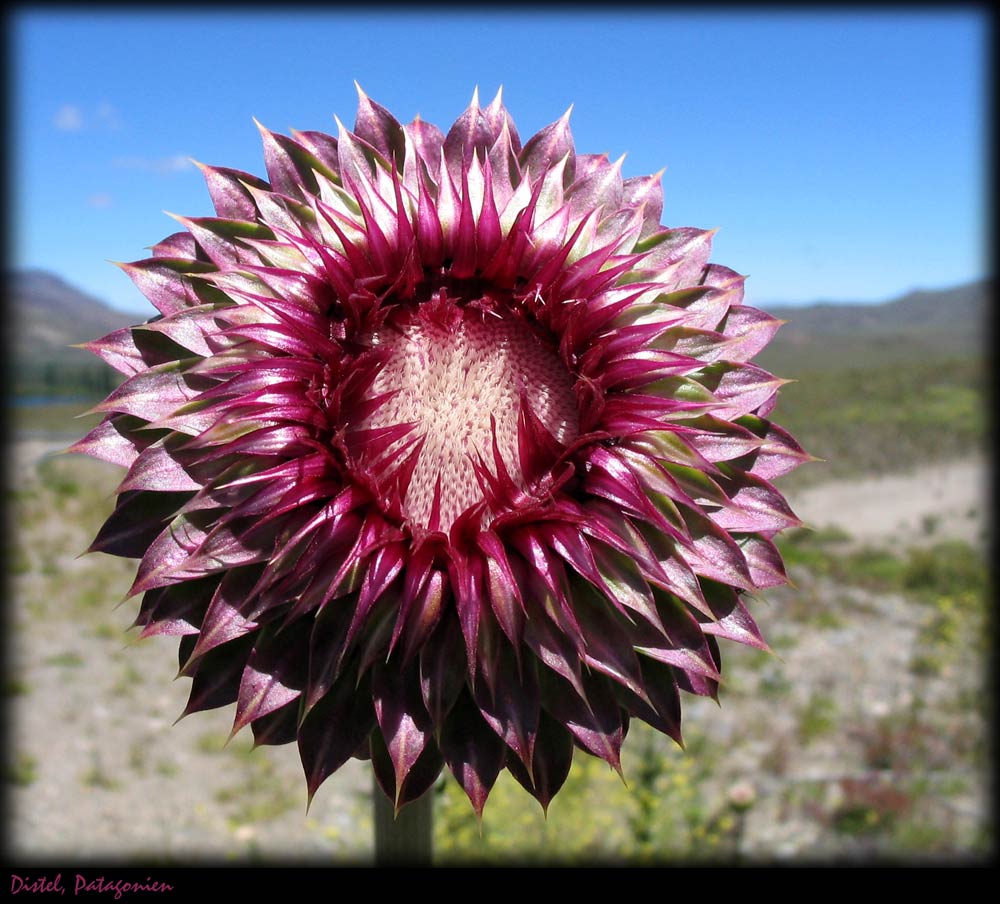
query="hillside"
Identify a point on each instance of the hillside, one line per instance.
(46, 316)
(914, 312)
(883, 388)
(917, 326)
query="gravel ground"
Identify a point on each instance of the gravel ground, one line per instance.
(102, 775)
(948, 500)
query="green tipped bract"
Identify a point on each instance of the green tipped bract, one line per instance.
(443, 451)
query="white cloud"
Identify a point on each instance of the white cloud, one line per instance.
(107, 115)
(162, 166)
(74, 118)
(68, 118)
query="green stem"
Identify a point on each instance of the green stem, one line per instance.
(403, 840)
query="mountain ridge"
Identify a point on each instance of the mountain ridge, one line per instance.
(916, 307)
(49, 313)
(923, 324)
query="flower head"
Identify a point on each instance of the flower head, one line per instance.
(443, 451)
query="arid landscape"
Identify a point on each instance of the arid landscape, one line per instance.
(863, 737)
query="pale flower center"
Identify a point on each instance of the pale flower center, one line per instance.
(457, 372)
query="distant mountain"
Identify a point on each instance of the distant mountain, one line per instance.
(942, 309)
(922, 324)
(48, 314)
(45, 315)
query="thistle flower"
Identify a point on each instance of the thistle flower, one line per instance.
(443, 451)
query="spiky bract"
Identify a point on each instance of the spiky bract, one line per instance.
(443, 451)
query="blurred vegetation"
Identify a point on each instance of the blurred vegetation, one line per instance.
(948, 567)
(661, 813)
(68, 373)
(63, 420)
(864, 420)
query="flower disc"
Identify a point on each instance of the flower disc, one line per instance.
(458, 374)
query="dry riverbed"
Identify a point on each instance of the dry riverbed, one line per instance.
(949, 500)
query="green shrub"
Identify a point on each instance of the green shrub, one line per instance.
(950, 567)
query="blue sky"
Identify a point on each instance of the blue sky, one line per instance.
(842, 154)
